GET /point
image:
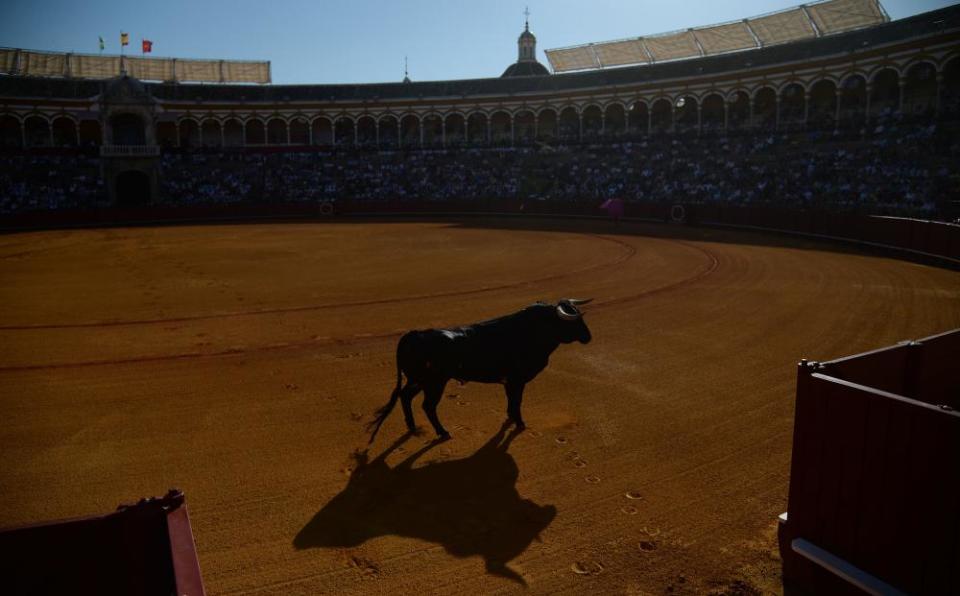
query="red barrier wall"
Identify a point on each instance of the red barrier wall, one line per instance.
(924, 238)
(873, 476)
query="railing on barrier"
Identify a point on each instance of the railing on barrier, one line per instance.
(874, 482)
(130, 150)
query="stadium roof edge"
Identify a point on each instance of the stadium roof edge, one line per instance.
(923, 25)
(554, 57)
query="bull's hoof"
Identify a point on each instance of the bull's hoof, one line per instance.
(444, 436)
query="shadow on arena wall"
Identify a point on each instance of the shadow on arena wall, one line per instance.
(468, 506)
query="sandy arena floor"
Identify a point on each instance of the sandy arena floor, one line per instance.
(240, 363)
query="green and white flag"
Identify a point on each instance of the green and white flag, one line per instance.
(101, 43)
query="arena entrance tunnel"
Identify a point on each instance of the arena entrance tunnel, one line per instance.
(133, 189)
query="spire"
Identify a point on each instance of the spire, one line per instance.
(527, 44)
(406, 72)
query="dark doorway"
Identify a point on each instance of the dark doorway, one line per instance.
(133, 189)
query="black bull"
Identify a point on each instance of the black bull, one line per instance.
(510, 350)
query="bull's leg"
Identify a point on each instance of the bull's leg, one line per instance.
(406, 399)
(514, 397)
(431, 398)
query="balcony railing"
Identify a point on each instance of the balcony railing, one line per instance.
(129, 150)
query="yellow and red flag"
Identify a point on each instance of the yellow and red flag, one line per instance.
(124, 39)
(147, 46)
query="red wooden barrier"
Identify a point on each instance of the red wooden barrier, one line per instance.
(874, 481)
(145, 549)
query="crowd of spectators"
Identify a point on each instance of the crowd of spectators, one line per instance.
(48, 182)
(888, 167)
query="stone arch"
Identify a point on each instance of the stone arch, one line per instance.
(687, 108)
(410, 130)
(189, 132)
(232, 133)
(166, 130)
(920, 89)
(255, 132)
(792, 106)
(299, 131)
(614, 120)
(765, 108)
(64, 131)
(366, 131)
(322, 129)
(477, 128)
(823, 105)
(432, 124)
(853, 100)
(210, 131)
(711, 113)
(277, 131)
(455, 126)
(592, 121)
(638, 117)
(389, 130)
(661, 115)
(11, 133)
(127, 128)
(884, 92)
(344, 131)
(546, 124)
(568, 124)
(738, 110)
(950, 88)
(524, 126)
(501, 127)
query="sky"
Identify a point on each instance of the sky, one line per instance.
(365, 41)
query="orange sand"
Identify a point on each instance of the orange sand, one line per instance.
(240, 362)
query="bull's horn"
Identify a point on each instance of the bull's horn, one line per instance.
(576, 302)
(567, 316)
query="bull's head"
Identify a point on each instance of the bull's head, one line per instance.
(572, 327)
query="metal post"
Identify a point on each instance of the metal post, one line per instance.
(776, 105)
(902, 84)
(836, 117)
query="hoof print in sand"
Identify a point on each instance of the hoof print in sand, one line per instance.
(367, 568)
(586, 568)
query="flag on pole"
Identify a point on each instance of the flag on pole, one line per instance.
(146, 46)
(102, 45)
(124, 39)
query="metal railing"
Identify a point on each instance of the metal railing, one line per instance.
(129, 150)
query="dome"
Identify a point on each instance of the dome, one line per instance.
(527, 35)
(525, 69)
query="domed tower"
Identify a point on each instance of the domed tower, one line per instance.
(526, 64)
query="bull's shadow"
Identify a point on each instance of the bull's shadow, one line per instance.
(469, 506)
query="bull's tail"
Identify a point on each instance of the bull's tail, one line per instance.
(380, 415)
